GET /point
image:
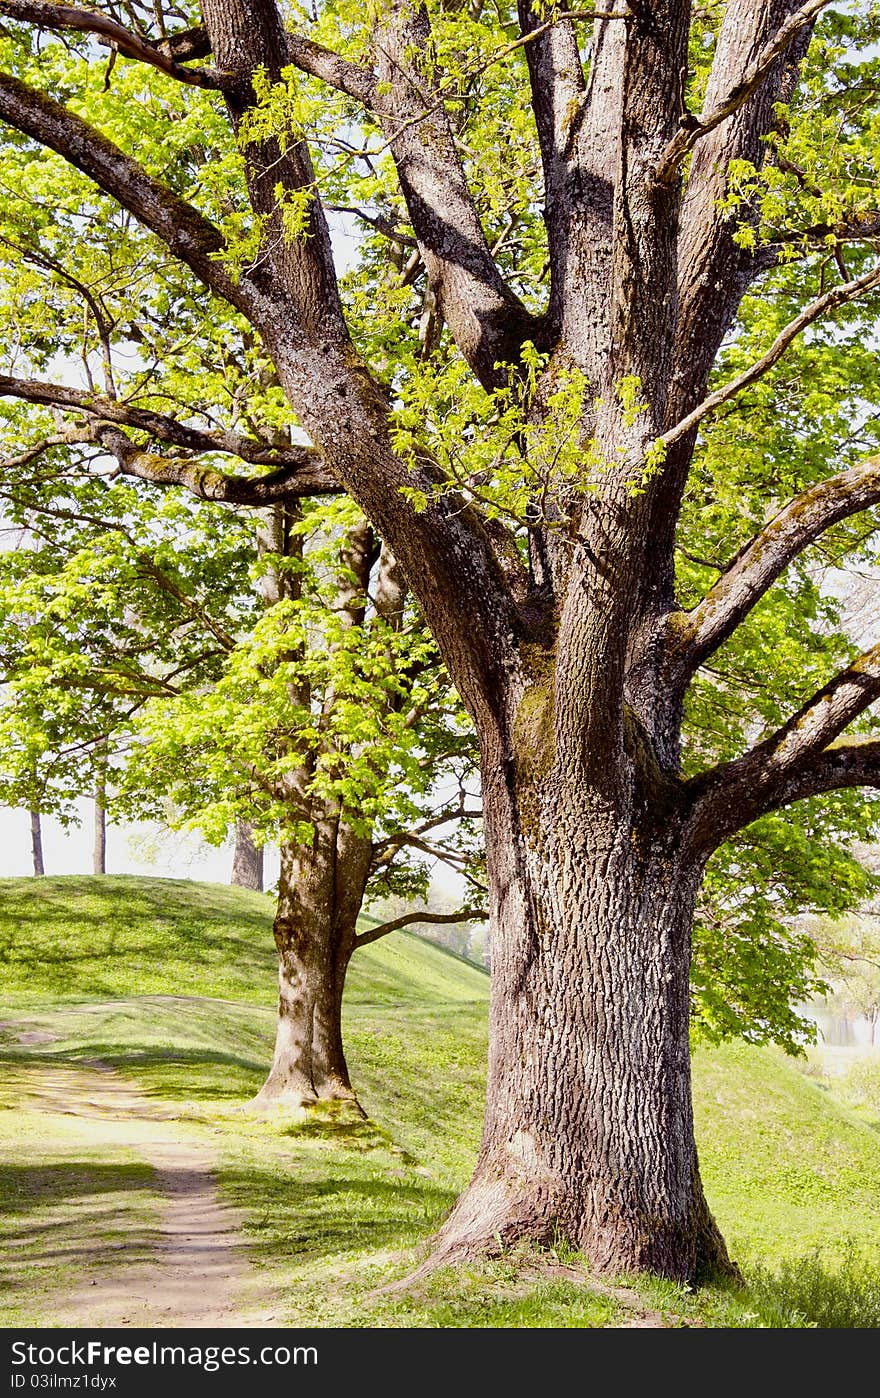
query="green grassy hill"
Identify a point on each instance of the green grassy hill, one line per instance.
(172, 983)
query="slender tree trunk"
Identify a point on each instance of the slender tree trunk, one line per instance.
(99, 850)
(247, 861)
(320, 892)
(37, 844)
(588, 1132)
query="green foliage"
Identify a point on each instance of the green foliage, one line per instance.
(221, 679)
(86, 292)
(754, 964)
(98, 613)
(517, 451)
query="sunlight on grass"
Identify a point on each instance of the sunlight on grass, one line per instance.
(65, 1208)
(337, 1208)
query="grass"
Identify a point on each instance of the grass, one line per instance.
(172, 984)
(789, 1167)
(58, 1192)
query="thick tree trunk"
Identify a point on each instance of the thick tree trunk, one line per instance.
(588, 1132)
(37, 844)
(320, 892)
(247, 861)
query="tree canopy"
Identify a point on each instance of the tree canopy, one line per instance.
(597, 370)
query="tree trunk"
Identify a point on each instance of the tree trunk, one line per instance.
(588, 1133)
(37, 844)
(247, 861)
(320, 892)
(99, 849)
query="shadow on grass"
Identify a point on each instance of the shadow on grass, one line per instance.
(196, 1073)
(110, 935)
(808, 1291)
(342, 1124)
(24, 1188)
(315, 1216)
(81, 1213)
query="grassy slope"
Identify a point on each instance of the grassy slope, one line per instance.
(172, 982)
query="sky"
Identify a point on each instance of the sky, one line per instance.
(133, 849)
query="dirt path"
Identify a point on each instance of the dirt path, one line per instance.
(198, 1273)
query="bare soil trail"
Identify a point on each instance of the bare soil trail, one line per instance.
(193, 1269)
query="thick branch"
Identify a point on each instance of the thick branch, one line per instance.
(836, 297)
(695, 129)
(762, 560)
(287, 483)
(46, 16)
(463, 915)
(725, 808)
(161, 427)
(788, 765)
(443, 550)
(486, 319)
(558, 94)
(333, 69)
(291, 297)
(713, 271)
(189, 236)
(824, 716)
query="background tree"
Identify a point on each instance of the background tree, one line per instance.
(260, 669)
(535, 479)
(851, 952)
(247, 859)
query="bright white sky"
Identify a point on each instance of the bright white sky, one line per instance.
(133, 849)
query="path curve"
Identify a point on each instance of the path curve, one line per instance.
(198, 1274)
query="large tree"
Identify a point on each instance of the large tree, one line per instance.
(680, 159)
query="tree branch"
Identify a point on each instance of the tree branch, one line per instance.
(803, 758)
(294, 482)
(331, 68)
(290, 295)
(385, 850)
(847, 763)
(714, 271)
(694, 128)
(463, 915)
(486, 319)
(186, 232)
(558, 91)
(761, 561)
(836, 297)
(107, 30)
(158, 425)
(824, 716)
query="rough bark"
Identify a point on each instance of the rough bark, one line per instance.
(320, 891)
(247, 859)
(321, 886)
(588, 1132)
(37, 844)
